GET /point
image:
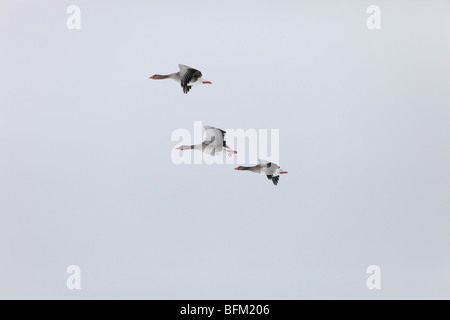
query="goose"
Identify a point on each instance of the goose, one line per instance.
(187, 77)
(269, 169)
(214, 143)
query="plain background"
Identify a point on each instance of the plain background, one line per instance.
(86, 176)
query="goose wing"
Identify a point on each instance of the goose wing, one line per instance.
(188, 75)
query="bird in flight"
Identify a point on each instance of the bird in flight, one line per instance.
(187, 77)
(214, 143)
(269, 169)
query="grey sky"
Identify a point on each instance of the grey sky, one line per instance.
(86, 176)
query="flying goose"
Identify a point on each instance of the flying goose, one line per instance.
(269, 169)
(213, 144)
(187, 77)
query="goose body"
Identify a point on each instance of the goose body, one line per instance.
(187, 77)
(214, 143)
(269, 169)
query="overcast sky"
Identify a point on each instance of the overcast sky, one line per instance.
(86, 176)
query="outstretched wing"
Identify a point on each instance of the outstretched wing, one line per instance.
(215, 136)
(275, 179)
(265, 163)
(186, 88)
(187, 75)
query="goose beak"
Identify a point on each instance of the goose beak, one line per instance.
(179, 148)
(236, 168)
(283, 172)
(151, 77)
(207, 82)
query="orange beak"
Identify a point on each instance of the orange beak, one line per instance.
(151, 77)
(207, 82)
(283, 172)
